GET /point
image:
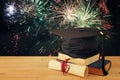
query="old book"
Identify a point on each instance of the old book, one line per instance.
(79, 70)
(80, 61)
(96, 67)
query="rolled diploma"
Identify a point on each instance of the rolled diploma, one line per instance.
(79, 70)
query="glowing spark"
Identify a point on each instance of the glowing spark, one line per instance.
(16, 39)
(11, 12)
(70, 16)
(102, 5)
(10, 9)
(89, 15)
(67, 11)
(29, 9)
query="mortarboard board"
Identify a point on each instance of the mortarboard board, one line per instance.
(72, 33)
(78, 42)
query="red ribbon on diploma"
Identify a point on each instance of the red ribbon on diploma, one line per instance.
(64, 66)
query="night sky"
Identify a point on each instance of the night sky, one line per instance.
(15, 40)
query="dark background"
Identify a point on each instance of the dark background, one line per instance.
(112, 46)
(25, 46)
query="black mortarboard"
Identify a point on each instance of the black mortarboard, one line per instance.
(78, 42)
(72, 33)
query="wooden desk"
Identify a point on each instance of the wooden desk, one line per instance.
(36, 68)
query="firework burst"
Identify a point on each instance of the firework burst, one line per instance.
(11, 11)
(32, 9)
(67, 11)
(79, 13)
(89, 15)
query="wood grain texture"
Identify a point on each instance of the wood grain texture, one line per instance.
(36, 68)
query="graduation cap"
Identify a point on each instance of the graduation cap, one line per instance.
(78, 42)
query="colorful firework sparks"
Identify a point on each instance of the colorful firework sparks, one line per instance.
(79, 13)
(102, 5)
(34, 13)
(89, 15)
(67, 10)
(33, 8)
(21, 11)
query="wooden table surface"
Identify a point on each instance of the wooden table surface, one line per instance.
(36, 68)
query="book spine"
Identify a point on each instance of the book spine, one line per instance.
(94, 69)
(79, 70)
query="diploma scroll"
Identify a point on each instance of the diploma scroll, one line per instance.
(79, 70)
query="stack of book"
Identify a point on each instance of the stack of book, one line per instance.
(79, 66)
